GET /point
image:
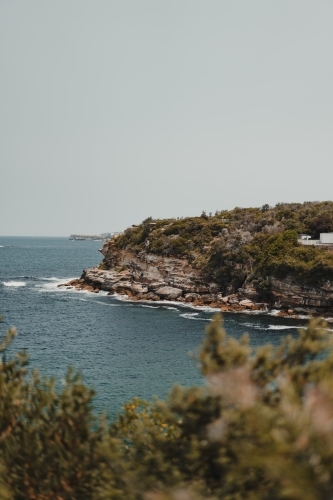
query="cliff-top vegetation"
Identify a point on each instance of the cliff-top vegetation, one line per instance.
(242, 244)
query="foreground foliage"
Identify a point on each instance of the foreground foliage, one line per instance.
(243, 244)
(260, 428)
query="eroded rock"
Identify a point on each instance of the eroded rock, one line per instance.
(169, 293)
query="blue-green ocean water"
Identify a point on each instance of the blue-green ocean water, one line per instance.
(123, 349)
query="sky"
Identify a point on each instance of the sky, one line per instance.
(114, 111)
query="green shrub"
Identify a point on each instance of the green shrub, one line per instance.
(261, 428)
(260, 241)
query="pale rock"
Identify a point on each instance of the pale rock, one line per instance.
(246, 302)
(168, 292)
(137, 288)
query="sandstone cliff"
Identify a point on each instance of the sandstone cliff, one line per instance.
(289, 295)
(150, 277)
(242, 258)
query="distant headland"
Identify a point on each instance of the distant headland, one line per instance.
(92, 237)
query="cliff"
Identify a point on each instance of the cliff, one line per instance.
(150, 277)
(235, 260)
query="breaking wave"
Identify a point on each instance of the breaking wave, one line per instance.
(193, 316)
(14, 283)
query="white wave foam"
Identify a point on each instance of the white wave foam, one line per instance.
(193, 316)
(49, 287)
(51, 284)
(85, 299)
(14, 283)
(269, 327)
(150, 307)
(122, 298)
(170, 308)
(209, 309)
(2, 246)
(274, 312)
(280, 327)
(106, 304)
(249, 325)
(52, 279)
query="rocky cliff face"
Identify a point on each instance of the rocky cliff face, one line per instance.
(146, 276)
(151, 277)
(302, 298)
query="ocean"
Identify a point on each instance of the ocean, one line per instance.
(122, 349)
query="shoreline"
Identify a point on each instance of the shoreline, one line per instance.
(79, 284)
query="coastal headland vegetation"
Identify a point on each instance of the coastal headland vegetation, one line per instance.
(261, 427)
(244, 245)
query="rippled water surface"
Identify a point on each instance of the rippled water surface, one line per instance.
(123, 349)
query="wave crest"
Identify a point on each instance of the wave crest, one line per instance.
(14, 283)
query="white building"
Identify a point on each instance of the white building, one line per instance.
(325, 239)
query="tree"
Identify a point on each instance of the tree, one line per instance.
(321, 224)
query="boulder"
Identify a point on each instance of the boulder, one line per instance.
(152, 287)
(246, 302)
(233, 300)
(137, 288)
(73, 282)
(151, 296)
(208, 298)
(190, 297)
(168, 292)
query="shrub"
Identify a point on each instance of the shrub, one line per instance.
(261, 240)
(261, 428)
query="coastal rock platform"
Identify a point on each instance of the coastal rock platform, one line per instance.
(151, 277)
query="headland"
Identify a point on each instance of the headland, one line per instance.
(246, 259)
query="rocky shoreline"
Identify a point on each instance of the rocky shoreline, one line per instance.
(94, 280)
(149, 277)
(231, 303)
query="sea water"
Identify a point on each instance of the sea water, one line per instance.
(123, 349)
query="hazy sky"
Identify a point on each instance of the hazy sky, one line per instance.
(112, 111)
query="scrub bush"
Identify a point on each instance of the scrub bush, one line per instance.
(263, 242)
(260, 428)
